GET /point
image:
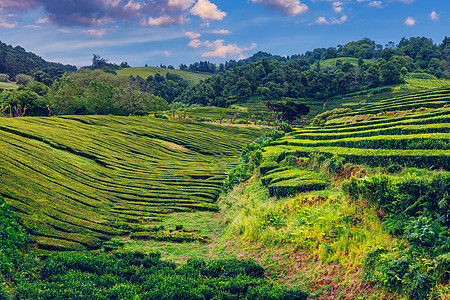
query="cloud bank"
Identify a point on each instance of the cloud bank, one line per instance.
(101, 12)
(287, 7)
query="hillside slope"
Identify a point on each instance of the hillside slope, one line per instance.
(356, 208)
(78, 181)
(16, 60)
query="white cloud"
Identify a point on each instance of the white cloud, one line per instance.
(112, 2)
(223, 51)
(341, 20)
(133, 5)
(164, 21)
(288, 7)
(222, 31)
(95, 32)
(183, 4)
(207, 11)
(64, 30)
(4, 24)
(322, 20)
(31, 26)
(192, 35)
(166, 53)
(410, 21)
(196, 43)
(43, 21)
(377, 4)
(434, 16)
(337, 6)
(219, 49)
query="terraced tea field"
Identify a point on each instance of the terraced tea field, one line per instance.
(416, 140)
(433, 99)
(77, 181)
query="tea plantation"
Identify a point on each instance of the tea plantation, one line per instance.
(365, 193)
(75, 182)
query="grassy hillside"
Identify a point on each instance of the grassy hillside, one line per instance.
(356, 207)
(144, 72)
(78, 181)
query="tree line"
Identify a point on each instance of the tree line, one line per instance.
(82, 93)
(303, 76)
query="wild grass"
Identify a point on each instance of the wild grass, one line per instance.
(322, 222)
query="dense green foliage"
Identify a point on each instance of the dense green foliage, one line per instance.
(411, 205)
(416, 208)
(75, 182)
(135, 275)
(168, 87)
(302, 76)
(81, 93)
(12, 240)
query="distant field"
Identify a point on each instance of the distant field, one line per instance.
(332, 61)
(8, 85)
(144, 72)
(78, 181)
(425, 81)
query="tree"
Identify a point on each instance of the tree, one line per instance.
(289, 111)
(99, 98)
(64, 96)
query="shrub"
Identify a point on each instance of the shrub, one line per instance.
(353, 188)
(267, 166)
(285, 127)
(335, 163)
(4, 77)
(289, 161)
(24, 79)
(393, 272)
(421, 286)
(394, 168)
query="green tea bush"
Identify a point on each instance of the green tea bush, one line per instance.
(267, 166)
(285, 127)
(274, 293)
(60, 264)
(353, 188)
(334, 164)
(394, 168)
(289, 161)
(142, 276)
(14, 265)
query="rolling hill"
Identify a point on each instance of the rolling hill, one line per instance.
(78, 181)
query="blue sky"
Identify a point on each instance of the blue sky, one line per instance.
(185, 31)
